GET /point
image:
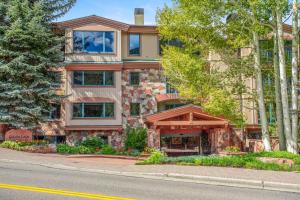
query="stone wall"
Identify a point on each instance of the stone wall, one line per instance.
(153, 138)
(151, 83)
(114, 137)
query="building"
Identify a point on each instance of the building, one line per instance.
(113, 78)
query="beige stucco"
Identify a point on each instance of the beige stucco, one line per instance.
(75, 93)
(70, 56)
(149, 47)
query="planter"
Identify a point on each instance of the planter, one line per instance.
(225, 153)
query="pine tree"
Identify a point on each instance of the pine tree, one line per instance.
(28, 49)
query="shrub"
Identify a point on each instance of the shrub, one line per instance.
(34, 142)
(136, 138)
(10, 145)
(232, 149)
(156, 157)
(108, 150)
(93, 142)
(66, 149)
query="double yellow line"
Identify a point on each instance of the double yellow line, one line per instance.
(61, 192)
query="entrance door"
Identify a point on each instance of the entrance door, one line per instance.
(205, 143)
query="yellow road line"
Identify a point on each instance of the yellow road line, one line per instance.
(61, 192)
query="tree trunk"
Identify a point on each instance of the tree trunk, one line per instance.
(279, 115)
(295, 42)
(260, 94)
(283, 83)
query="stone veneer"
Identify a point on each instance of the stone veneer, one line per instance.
(152, 82)
(114, 137)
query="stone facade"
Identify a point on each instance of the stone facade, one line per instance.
(114, 138)
(152, 83)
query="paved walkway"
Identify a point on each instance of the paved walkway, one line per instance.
(129, 166)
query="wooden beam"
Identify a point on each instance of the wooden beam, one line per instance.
(191, 123)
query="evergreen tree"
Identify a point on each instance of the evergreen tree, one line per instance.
(28, 49)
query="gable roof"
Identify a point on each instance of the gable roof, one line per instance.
(181, 111)
(93, 19)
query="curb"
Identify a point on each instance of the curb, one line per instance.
(106, 156)
(208, 180)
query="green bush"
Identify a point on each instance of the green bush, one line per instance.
(232, 149)
(66, 149)
(93, 142)
(108, 150)
(136, 138)
(34, 142)
(156, 157)
(10, 145)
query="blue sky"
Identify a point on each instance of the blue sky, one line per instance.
(120, 10)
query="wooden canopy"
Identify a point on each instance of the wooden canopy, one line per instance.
(185, 116)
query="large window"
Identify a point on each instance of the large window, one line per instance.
(135, 109)
(134, 44)
(93, 41)
(93, 78)
(134, 78)
(93, 110)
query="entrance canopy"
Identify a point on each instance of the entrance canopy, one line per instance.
(186, 118)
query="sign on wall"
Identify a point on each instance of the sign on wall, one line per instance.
(19, 135)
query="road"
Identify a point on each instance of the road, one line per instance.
(56, 184)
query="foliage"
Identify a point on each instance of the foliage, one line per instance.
(232, 149)
(10, 145)
(108, 150)
(66, 149)
(135, 138)
(28, 49)
(92, 142)
(245, 161)
(34, 142)
(156, 157)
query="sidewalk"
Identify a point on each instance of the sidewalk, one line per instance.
(202, 174)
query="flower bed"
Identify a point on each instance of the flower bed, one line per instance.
(249, 161)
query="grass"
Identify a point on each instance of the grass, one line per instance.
(248, 161)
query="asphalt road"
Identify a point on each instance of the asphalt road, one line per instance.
(114, 187)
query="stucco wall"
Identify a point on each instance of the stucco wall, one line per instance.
(149, 47)
(70, 56)
(75, 93)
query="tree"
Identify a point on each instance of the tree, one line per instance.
(28, 49)
(283, 79)
(200, 26)
(295, 95)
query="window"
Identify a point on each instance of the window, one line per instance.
(173, 42)
(134, 78)
(170, 89)
(175, 105)
(93, 110)
(55, 111)
(93, 42)
(135, 109)
(134, 44)
(93, 78)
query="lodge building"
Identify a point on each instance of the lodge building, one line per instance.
(113, 78)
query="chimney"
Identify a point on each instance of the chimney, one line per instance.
(139, 16)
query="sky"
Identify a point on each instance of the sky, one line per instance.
(120, 10)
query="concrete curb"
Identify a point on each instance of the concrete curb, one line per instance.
(106, 156)
(209, 180)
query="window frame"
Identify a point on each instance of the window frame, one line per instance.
(91, 85)
(139, 78)
(55, 106)
(140, 44)
(82, 112)
(104, 52)
(139, 107)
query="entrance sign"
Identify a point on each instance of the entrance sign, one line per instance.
(19, 135)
